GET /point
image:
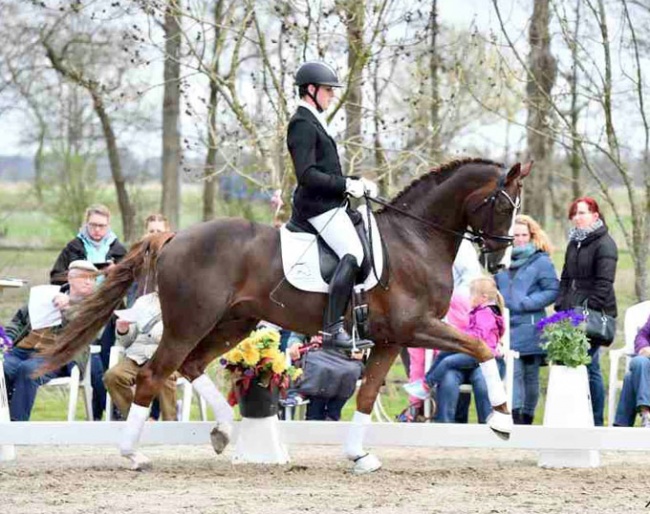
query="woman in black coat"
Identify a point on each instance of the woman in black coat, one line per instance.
(588, 276)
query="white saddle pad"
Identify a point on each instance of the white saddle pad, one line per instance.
(301, 263)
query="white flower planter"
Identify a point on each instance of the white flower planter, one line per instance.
(259, 442)
(568, 405)
(7, 451)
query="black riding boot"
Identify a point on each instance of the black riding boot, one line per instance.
(334, 333)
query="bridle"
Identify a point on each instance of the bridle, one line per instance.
(491, 200)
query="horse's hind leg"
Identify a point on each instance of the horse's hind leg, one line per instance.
(381, 359)
(213, 345)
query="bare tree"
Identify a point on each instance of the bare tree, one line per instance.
(171, 147)
(95, 90)
(543, 70)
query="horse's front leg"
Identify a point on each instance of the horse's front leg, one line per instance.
(380, 361)
(433, 333)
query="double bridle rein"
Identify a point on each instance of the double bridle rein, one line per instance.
(480, 237)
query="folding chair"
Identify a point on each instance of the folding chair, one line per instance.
(635, 317)
(73, 383)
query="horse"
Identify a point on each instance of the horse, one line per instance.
(216, 280)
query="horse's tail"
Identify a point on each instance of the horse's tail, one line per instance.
(94, 312)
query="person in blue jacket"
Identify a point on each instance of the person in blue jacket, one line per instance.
(528, 286)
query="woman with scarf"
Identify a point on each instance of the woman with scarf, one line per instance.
(588, 277)
(528, 286)
(95, 242)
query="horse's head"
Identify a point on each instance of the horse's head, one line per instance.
(491, 214)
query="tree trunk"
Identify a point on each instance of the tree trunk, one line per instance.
(126, 209)
(540, 83)
(210, 180)
(435, 150)
(171, 151)
(354, 20)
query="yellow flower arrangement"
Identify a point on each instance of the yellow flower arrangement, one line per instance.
(258, 357)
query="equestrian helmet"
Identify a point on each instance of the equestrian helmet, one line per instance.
(317, 73)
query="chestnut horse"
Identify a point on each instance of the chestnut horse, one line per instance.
(215, 281)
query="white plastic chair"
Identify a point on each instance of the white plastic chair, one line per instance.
(185, 398)
(635, 317)
(73, 383)
(509, 357)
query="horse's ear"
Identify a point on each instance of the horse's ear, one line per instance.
(519, 171)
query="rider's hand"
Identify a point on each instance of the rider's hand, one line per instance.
(354, 187)
(370, 188)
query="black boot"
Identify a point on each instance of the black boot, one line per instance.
(517, 417)
(334, 333)
(527, 419)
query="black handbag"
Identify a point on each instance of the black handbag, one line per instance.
(599, 327)
(328, 374)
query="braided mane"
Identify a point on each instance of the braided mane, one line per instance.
(439, 175)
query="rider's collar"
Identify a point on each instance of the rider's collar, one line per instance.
(320, 116)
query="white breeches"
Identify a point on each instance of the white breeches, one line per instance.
(336, 228)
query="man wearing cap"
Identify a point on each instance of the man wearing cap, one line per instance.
(320, 197)
(22, 360)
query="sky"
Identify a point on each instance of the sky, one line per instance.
(461, 14)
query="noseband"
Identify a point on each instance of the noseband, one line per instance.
(481, 236)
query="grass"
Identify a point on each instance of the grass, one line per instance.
(26, 225)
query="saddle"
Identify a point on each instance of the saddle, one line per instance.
(308, 262)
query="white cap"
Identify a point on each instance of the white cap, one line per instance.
(82, 265)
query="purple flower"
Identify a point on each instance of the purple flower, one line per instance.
(572, 316)
(249, 372)
(5, 342)
(223, 362)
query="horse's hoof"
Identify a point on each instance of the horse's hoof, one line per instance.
(501, 424)
(366, 464)
(220, 437)
(137, 461)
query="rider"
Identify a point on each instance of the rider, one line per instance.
(321, 193)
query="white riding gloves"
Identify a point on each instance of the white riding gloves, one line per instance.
(370, 187)
(358, 187)
(354, 187)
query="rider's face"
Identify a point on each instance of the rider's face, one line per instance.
(324, 96)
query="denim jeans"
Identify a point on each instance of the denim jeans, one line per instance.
(596, 386)
(447, 361)
(19, 364)
(448, 388)
(99, 389)
(324, 409)
(526, 383)
(635, 392)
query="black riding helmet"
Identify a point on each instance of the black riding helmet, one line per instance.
(318, 74)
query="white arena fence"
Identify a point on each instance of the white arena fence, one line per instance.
(37, 433)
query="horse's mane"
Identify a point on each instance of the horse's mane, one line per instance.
(438, 175)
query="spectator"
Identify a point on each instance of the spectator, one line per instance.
(588, 276)
(635, 395)
(450, 370)
(528, 287)
(345, 372)
(140, 341)
(22, 360)
(95, 242)
(466, 268)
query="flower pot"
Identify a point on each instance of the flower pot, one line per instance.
(259, 401)
(568, 405)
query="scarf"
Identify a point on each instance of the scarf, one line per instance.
(96, 251)
(520, 254)
(580, 234)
